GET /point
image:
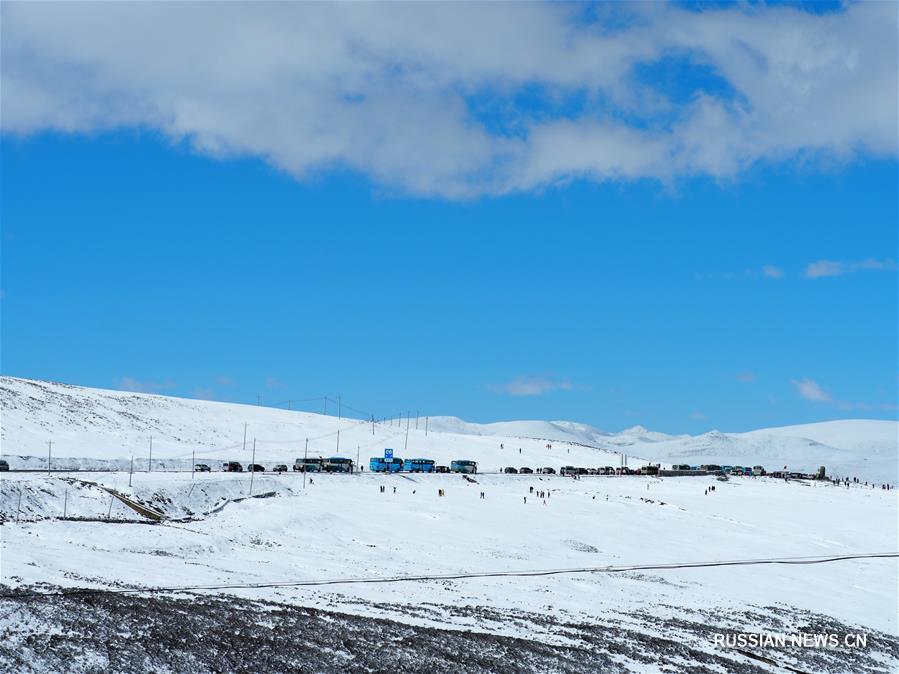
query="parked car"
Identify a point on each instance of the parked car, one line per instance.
(607, 470)
(510, 471)
(232, 467)
(525, 470)
(549, 471)
(581, 471)
(256, 468)
(649, 470)
(568, 470)
(758, 470)
(441, 469)
(280, 468)
(202, 468)
(4, 465)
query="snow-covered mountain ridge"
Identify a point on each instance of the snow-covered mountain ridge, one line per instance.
(112, 425)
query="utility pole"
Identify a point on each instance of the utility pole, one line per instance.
(193, 465)
(305, 465)
(150, 462)
(372, 424)
(253, 467)
(131, 470)
(244, 439)
(49, 455)
(406, 443)
(338, 422)
(65, 503)
(416, 420)
(427, 419)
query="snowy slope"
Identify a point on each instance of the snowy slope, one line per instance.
(97, 428)
(344, 526)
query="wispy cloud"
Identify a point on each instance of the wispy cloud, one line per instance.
(132, 384)
(811, 390)
(425, 98)
(204, 393)
(273, 383)
(746, 377)
(770, 271)
(225, 380)
(524, 385)
(699, 416)
(825, 268)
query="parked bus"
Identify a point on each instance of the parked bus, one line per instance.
(418, 465)
(308, 465)
(379, 464)
(337, 464)
(464, 466)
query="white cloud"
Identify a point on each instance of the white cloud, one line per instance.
(424, 98)
(810, 390)
(823, 268)
(273, 383)
(132, 384)
(531, 386)
(699, 416)
(746, 377)
(770, 271)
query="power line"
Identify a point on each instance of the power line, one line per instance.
(462, 576)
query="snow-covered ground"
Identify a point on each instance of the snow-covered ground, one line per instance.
(343, 526)
(340, 527)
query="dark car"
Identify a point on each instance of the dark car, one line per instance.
(441, 469)
(256, 468)
(525, 470)
(232, 467)
(4, 465)
(581, 471)
(202, 468)
(280, 468)
(549, 471)
(511, 471)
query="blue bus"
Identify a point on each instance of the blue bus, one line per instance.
(464, 466)
(379, 464)
(418, 465)
(337, 464)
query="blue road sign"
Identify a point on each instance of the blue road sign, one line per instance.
(388, 453)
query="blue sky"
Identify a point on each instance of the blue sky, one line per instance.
(561, 245)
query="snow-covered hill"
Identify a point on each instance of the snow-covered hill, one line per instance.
(91, 427)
